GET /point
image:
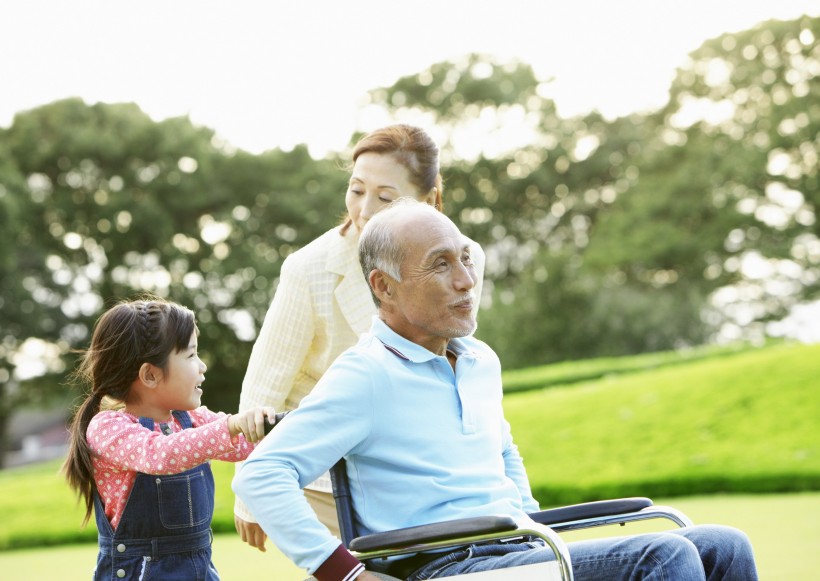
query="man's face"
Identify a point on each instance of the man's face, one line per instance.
(434, 300)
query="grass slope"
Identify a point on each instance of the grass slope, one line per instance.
(568, 372)
(740, 423)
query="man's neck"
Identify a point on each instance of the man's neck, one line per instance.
(432, 343)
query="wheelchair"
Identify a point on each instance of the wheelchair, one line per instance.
(545, 525)
(374, 549)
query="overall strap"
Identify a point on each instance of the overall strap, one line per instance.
(183, 418)
(104, 529)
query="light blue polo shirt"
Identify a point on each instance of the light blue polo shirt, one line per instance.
(423, 444)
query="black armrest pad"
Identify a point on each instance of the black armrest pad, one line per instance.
(590, 510)
(434, 532)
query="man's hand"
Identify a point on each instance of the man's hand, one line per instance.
(367, 576)
(251, 533)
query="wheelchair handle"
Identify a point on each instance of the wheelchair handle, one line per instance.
(278, 418)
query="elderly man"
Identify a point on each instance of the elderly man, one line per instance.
(415, 408)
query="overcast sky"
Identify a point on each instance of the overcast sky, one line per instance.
(273, 74)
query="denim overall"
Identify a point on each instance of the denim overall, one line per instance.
(165, 530)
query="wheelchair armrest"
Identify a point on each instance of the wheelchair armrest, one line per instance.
(433, 532)
(590, 510)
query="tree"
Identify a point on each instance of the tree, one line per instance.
(20, 265)
(647, 232)
(657, 215)
(745, 111)
(535, 208)
(103, 203)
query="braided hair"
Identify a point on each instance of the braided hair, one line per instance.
(125, 336)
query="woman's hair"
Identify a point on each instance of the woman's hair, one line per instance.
(125, 336)
(413, 148)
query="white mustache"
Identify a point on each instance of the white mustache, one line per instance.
(463, 299)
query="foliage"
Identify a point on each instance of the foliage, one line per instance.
(742, 120)
(451, 89)
(650, 232)
(104, 204)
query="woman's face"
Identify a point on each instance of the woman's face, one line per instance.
(377, 180)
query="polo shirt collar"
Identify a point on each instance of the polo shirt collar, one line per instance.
(406, 349)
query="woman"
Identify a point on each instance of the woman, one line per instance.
(323, 302)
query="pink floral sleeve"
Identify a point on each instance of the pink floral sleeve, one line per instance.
(241, 447)
(119, 439)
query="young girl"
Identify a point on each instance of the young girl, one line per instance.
(143, 466)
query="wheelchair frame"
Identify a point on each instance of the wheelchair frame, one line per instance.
(544, 524)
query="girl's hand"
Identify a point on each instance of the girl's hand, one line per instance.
(251, 423)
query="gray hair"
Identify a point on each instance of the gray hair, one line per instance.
(379, 247)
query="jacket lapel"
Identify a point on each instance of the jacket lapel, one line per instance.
(352, 293)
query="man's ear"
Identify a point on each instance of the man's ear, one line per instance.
(430, 198)
(381, 284)
(149, 374)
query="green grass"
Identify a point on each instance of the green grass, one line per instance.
(784, 530)
(38, 508)
(54, 518)
(569, 372)
(233, 559)
(741, 423)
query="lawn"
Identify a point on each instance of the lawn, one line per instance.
(784, 530)
(746, 422)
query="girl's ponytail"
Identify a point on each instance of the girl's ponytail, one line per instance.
(78, 467)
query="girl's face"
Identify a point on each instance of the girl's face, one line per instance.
(179, 388)
(377, 180)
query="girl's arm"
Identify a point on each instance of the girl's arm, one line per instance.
(246, 428)
(121, 441)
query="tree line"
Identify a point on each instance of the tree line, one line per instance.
(652, 231)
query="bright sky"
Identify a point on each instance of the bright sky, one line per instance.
(268, 74)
